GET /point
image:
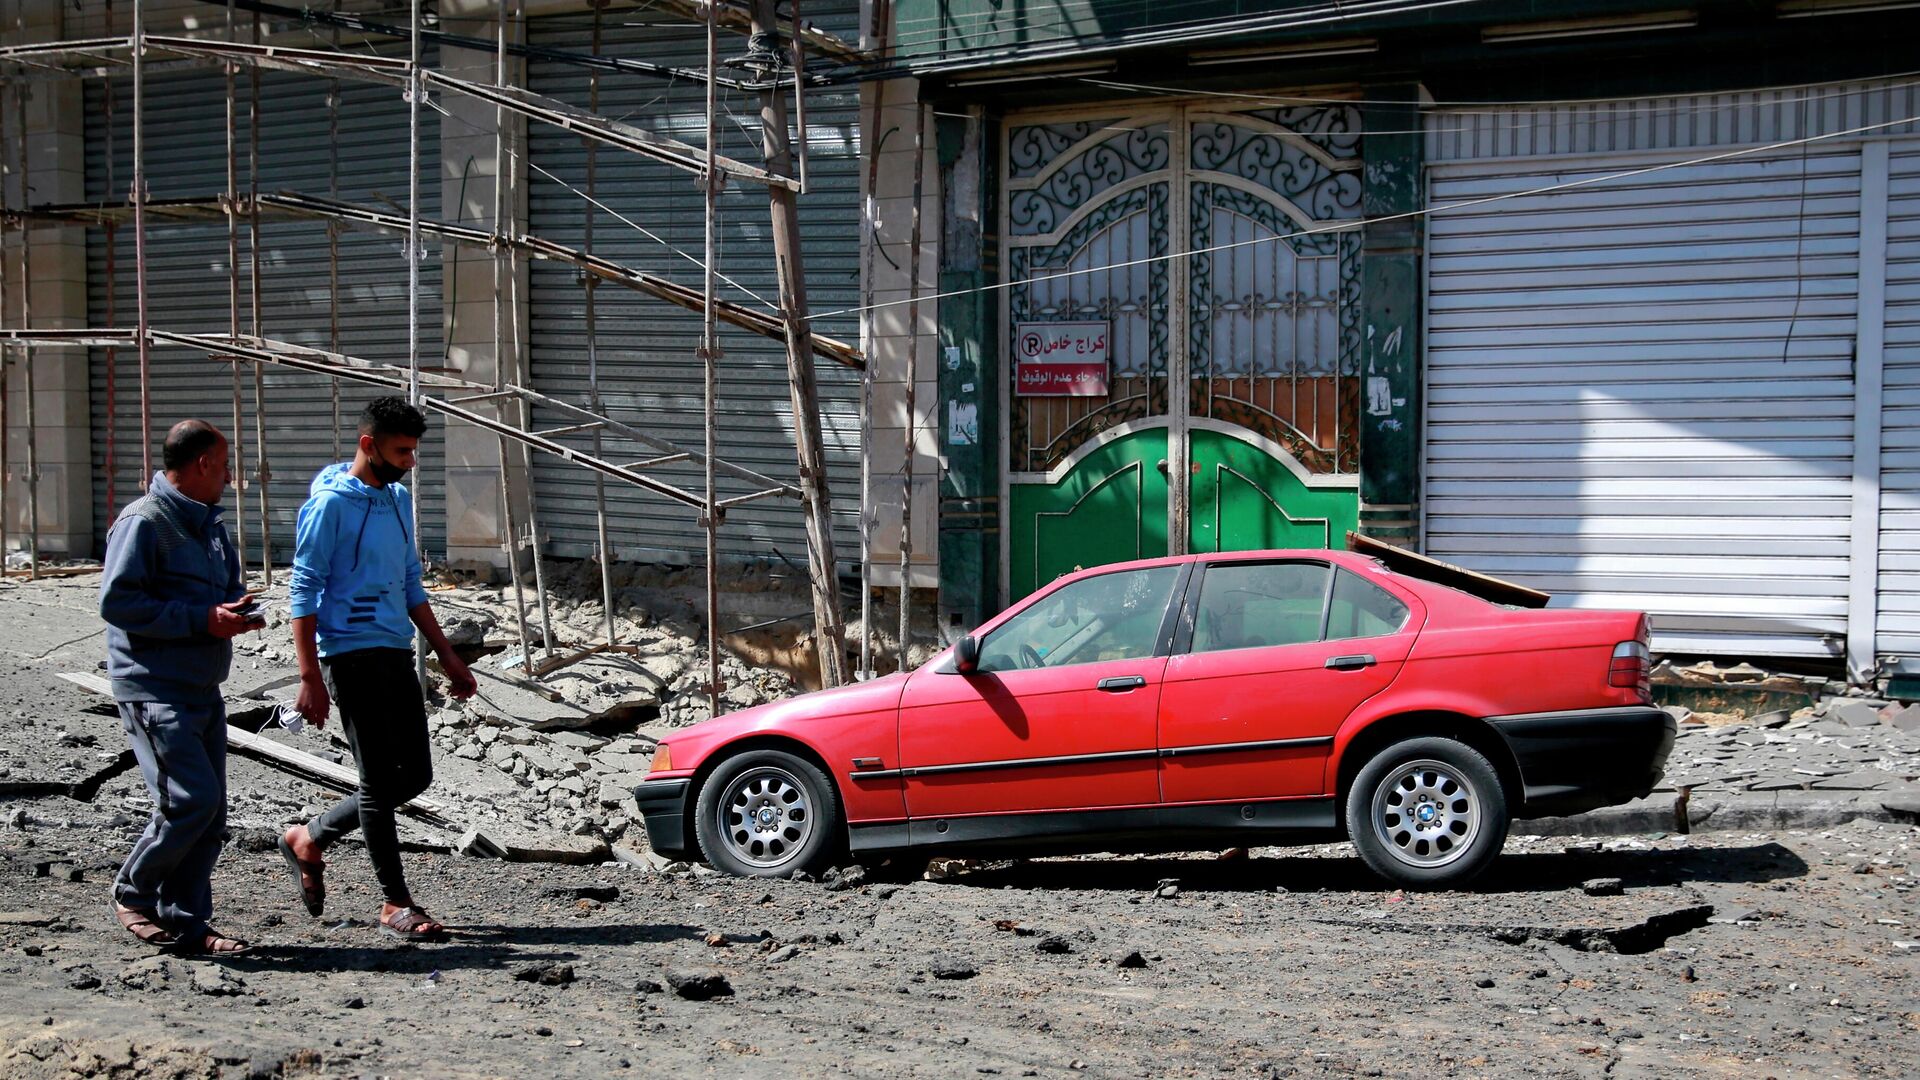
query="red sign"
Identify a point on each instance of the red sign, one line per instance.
(1060, 359)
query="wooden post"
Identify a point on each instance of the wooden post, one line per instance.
(829, 628)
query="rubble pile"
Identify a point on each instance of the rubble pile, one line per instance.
(1843, 744)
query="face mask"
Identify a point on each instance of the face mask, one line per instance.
(385, 473)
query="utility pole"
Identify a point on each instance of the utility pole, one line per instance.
(828, 625)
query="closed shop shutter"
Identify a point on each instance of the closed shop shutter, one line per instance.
(649, 373)
(188, 278)
(1898, 629)
(1640, 393)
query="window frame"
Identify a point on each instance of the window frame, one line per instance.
(1406, 609)
(1163, 639)
(1190, 613)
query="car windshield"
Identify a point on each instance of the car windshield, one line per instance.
(1110, 617)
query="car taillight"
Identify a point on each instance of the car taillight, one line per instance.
(1631, 668)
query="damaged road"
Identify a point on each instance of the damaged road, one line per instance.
(1293, 963)
(1768, 952)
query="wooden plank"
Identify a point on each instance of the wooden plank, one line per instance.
(286, 757)
(89, 681)
(339, 776)
(1413, 564)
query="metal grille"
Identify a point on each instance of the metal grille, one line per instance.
(649, 374)
(1272, 326)
(187, 277)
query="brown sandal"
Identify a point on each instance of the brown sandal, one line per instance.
(213, 943)
(412, 924)
(141, 925)
(308, 877)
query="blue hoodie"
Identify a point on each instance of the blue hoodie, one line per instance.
(168, 561)
(355, 564)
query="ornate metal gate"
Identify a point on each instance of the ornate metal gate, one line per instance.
(1230, 414)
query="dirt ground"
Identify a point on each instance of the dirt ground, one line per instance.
(1716, 954)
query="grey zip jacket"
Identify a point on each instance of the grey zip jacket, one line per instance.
(168, 561)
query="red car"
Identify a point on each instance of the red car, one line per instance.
(1252, 697)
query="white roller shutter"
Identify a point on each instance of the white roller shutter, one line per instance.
(1898, 628)
(187, 277)
(1640, 392)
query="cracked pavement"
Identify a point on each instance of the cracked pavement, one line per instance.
(1773, 952)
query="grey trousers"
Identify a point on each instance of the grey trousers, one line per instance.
(182, 751)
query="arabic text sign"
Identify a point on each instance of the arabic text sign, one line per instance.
(1060, 359)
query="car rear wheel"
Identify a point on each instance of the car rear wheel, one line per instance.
(768, 813)
(1427, 813)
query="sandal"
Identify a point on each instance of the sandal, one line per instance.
(212, 942)
(412, 924)
(307, 877)
(141, 924)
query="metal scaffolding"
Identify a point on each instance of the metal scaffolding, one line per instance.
(501, 404)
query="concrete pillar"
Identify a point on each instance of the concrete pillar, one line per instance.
(1392, 322)
(968, 410)
(890, 338)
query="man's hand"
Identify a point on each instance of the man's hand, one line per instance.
(225, 620)
(313, 702)
(463, 684)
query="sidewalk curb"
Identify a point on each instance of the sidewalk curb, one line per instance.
(1729, 812)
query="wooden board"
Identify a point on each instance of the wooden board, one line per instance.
(1471, 582)
(299, 761)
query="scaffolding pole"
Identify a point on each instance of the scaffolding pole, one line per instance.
(231, 202)
(113, 391)
(333, 238)
(26, 319)
(263, 473)
(912, 373)
(591, 284)
(871, 144)
(709, 363)
(829, 630)
(526, 420)
(139, 196)
(6, 354)
(499, 355)
(291, 204)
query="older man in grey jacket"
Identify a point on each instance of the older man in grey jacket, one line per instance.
(173, 600)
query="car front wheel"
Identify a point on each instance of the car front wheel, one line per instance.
(1427, 813)
(768, 813)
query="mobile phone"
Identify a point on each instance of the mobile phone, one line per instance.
(255, 611)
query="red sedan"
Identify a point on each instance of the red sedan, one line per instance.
(1252, 697)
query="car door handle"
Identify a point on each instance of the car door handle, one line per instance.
(1120, 684)
(1351, 663)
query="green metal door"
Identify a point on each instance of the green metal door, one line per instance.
(1192, 242)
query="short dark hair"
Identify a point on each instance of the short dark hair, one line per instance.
(391, 415)
(186, 442)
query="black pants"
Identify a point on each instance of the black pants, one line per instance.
(385, 719)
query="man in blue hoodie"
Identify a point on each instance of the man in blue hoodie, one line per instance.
(172, 598)
(357, 599)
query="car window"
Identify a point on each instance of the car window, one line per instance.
(1109, 617)
(1249, 605)
(1362, 609)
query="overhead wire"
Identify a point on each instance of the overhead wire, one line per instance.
(1359, 223)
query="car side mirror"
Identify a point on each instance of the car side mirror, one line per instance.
(966, 655)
